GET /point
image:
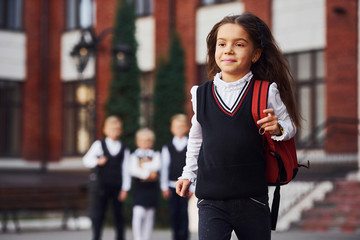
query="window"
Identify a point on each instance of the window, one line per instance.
(143, 7)
(10, 120)
(11, 14)
(211, 2)
(308, 69)
(79, 14)
(79, 119)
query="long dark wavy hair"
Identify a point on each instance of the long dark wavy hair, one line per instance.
(272, 65)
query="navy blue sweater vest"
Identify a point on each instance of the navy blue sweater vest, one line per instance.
(111, 172)
(231, 161)
(177, 162)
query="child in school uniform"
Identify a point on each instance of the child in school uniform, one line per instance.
(144, 167)
(173, 157)
(225, 155)
(109, 179)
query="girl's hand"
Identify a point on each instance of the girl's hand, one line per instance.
(152, 177)
(122, 196)
(182, 187)
(102, 160)
(166, 194)
(270, 122)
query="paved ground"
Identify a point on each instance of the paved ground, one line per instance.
(160, 235)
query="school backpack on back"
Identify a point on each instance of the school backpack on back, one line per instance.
(281, 159)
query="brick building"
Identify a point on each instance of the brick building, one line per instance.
(49, 112)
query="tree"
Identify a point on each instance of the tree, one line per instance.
(169, 96)
(124, 92)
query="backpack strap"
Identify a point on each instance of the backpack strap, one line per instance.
(259, 103)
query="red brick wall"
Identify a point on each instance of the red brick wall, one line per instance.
(185, 21)
(261, 8)
(162, 27)
(105, 17)
(340, 54)
(32, 95)
(43, 110)
(341, 74)
(55, 92)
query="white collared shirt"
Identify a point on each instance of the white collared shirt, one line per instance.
(229, 93)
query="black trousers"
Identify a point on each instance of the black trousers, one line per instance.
(100, 197)
(178, 207)
(249, 218)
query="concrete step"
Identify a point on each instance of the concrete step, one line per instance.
(338, 212)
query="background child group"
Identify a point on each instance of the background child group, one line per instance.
(115, 171)
(225, 155)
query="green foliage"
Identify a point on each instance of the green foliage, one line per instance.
(169, 97)
(124, 92)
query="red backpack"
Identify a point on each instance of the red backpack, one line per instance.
(282, 165)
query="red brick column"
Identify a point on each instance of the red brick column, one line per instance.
(341, 75)
(261, 8)
(105, 13)
(162, 28)
(55, 93)
(185, 21)
(31, 146)
(43, 109)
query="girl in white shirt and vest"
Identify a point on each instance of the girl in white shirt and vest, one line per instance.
(225, 155)
(144, 167)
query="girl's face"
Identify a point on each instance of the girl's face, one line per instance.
(112, 130)
(179, 128)
(234, 52)
(144, 142)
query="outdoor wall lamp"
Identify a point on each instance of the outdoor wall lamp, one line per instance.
(86, 47)
(121, 54)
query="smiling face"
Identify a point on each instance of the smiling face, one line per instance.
(235, 52)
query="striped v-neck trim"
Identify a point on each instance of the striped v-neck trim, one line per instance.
(233, 109)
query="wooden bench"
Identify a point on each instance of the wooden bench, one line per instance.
(67, 199)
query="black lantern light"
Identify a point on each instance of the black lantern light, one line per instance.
(121, 54)
(86, 48)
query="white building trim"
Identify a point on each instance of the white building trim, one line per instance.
(12, 55)
(298, 27)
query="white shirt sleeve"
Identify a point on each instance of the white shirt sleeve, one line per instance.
(144, 171)
(155, 164)
(275, 102)
(194, 144)
(126, 177)
(136, 170)
(90, 159)
(164, 172)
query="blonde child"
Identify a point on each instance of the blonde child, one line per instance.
(173, 157)
(110, 179)
(144, 167)
(225, 155)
